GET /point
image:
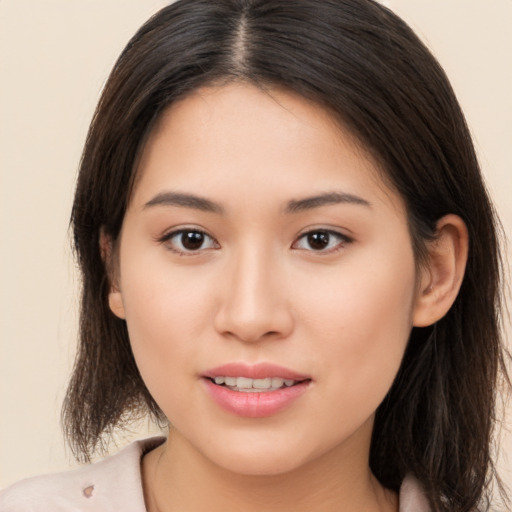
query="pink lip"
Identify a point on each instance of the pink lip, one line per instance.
(255, 371)
(259, 404)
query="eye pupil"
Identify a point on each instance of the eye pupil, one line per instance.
(318, 240)
(192, 240)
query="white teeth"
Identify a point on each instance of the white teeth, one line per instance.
(243, 383)
(254, 385)
(262, 383)
(277, 382)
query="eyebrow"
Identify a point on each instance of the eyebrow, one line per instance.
(186, 201)
(323, 200)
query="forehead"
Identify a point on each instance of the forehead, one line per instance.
(235, 135)
(251, 110)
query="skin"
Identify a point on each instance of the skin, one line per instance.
(257, 290)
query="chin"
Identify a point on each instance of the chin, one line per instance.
(272, 464)
(258, 457)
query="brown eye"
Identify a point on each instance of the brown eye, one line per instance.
(321, 240)
(189, 241)
(318, 240)
(192, 240)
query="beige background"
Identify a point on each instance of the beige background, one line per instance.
(54, 57)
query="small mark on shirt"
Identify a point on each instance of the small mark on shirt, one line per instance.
(88, 491)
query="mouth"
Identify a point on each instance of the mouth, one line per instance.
(255, 391)
(248, 385)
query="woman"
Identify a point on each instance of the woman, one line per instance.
(289, 255)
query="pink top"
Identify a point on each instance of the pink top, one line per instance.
(114, 484)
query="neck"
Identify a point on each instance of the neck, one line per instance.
(176, 477)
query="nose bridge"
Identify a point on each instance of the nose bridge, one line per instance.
(254, 302)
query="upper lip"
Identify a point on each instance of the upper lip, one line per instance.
(254, 371)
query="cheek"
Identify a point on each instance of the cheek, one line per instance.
(164, 324)
(362, 324)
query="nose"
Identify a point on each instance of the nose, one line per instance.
(254, 303)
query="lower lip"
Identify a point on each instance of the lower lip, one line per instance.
(255, 405)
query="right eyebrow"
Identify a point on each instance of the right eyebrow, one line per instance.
(184, 200)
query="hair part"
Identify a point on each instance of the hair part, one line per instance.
(366, 66)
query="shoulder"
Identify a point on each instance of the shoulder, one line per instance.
(412, 496)
(109, 485)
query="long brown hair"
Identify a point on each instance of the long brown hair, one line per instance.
(365, 65)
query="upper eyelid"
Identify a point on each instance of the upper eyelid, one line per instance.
(182, 229)
(331, 231)
(334, 229)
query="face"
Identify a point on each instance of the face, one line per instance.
(267, 278)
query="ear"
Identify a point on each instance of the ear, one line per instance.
(115, 299)
(442, 276)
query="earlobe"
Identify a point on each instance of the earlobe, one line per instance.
(442, 276)
(115, 299)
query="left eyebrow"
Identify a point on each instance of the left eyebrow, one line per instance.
(328, 198)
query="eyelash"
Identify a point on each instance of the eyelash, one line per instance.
(342, 241)
(167, 240)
